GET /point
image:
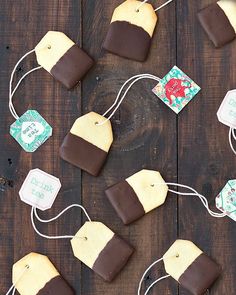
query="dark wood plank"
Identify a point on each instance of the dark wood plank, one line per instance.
(23, 24)
(205, 159)
(144, 137)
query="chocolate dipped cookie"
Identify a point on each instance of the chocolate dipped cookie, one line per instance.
(62, 58)
(101, 249)
(137, 195)
(131, 30)
(87, 144)
(219, 21)
(193, 269)
(34, 274)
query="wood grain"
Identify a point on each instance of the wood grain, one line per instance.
(144, 130)
(191, 148)
(205, 160)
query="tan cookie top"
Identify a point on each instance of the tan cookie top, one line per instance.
(90, 240)
(40, 271)
(229, 7)
(99, 135)
(149, 187)
(179, 257)
(51, 48)
(145, 18)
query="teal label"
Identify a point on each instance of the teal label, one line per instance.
(226, 200)
(30, 130)
(176, 89)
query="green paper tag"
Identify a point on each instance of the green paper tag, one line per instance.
(176, 89)
(226, 200)
(31, 130)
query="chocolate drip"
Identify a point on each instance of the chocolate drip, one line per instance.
(216, 24)
(82, 154)
(72, 67)
(56, 286)
(200, 275)
(125, 201)
(112, 258)
(127, 40)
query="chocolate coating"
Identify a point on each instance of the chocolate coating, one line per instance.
(200, 275)
(56, 286)
(127, 40)
(112, 258)
(72, 67)
(125, 201)
(82, 154)
(216, 24)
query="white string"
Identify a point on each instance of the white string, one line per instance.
(34, 213)
(155, 282)
(119, 100)
(195, 193)
(11, 93)
(13, 288)
(231, 133)
(163, 5)
(140, 5)
(158, 8)
(234, 135)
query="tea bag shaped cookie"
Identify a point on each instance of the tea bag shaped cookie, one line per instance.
(87, 144)
(62, 58)
(188, 265)
(137, 195)
(34, 274)
(101, 250)
(131, 30)
(219, 21)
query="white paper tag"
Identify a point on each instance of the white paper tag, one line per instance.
(227, 111)
(40, 189)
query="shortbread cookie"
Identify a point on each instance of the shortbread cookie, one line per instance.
(131, 30)
(34, 274)
(87, 144)
(101, 250)
(219, 21)
(188, 265)
(62, 58)
(137, 195)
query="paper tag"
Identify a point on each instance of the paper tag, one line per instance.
(31, 130)
(226, 200)
(176, 89)
(40, 189)
(227, 111)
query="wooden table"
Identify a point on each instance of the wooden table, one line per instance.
(191, 148)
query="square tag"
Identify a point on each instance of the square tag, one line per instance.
(40, 189)
(176, 89)
(227, 111)
(30, 130)
(226, 200)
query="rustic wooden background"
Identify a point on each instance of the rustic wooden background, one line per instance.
(191, 148)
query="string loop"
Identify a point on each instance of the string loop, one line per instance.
(35, 214)
(119, 99)
(158, 8)
(232, 134)
(202, 198)
(155, 282)
(12, 92)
